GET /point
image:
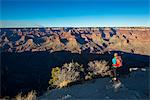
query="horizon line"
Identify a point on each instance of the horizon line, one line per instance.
(79, 27)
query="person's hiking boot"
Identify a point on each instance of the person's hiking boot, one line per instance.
(114, 78)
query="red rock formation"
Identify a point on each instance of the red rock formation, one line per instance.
(135, 40)
(47, 40)
(17, 43)
(67, 35)
(107, 34)
(95, 37)
(30, 42)
(22, 38)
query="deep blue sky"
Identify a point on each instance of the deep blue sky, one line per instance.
(75, 13)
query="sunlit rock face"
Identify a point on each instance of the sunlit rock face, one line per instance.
(133, 40)
(96, 40)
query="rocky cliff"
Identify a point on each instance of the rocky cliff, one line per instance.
(94, 40)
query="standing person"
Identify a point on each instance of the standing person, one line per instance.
(116, 63)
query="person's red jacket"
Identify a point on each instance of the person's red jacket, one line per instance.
(118, 62)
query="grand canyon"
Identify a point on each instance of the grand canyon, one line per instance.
(76, 40)
(29, 54)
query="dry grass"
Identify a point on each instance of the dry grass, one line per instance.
(30, 96)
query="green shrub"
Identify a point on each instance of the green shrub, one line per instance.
(55, 73)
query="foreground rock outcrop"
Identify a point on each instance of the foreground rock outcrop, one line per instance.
(131, 88)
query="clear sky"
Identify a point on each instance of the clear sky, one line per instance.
(74, 13)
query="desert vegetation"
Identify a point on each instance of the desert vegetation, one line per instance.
(29, 96)
(66, 74)
(98, 67)
(71, 72)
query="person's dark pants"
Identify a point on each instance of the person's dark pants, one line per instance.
(114, 73)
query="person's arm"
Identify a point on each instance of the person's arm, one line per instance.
(120, 60)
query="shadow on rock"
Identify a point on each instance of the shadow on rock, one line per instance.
(22, 72)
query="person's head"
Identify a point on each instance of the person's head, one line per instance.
(116, 55)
